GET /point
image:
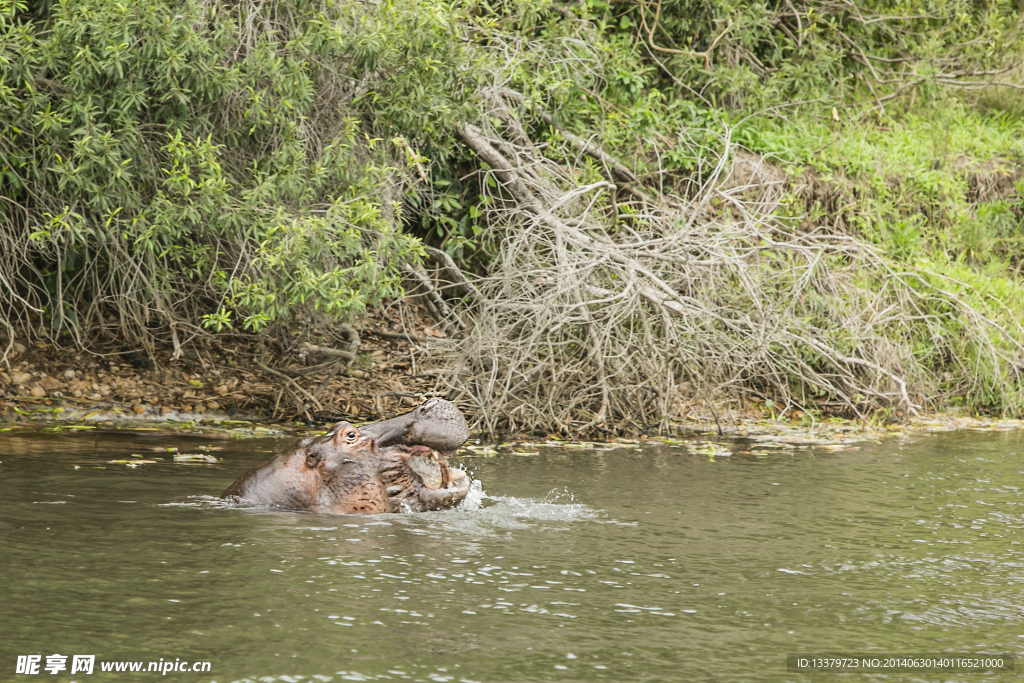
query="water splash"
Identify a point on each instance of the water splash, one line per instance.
(475, 498)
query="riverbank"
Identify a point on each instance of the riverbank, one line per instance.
(246, 386)
(223, 393)
(609, 244)
(240, 378)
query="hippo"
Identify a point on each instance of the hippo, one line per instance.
(435, 423)
(348, 471)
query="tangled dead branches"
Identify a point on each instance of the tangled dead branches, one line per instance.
(606, 315)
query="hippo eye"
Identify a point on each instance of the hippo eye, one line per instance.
(312, 460)
(346, 435)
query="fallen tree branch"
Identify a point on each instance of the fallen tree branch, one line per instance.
(335, 369)
(627, 180)
(458, 278)
(587, 324)
(351, 338)
(850, 360)
(310, 370)
(347, 356)
(657, 292)
(379, 406)
(272, 371)
(403, 336)
(442, 312)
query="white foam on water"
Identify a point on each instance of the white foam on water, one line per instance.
(478, 513)
(475, 498)
(511, 507)
(206, 502)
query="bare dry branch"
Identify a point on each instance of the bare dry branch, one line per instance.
(588, 324)
(461, 282)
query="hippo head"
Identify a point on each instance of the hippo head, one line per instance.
(436, 423)
(345, 472)
(349, 470)
(358, 477)
(295, 479)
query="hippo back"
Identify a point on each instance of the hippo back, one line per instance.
(283, 481)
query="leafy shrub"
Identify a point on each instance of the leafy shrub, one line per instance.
(167, 160)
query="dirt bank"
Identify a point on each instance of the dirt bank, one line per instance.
(229, 377)
(219, 381)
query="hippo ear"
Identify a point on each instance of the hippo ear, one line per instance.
(424, 407)
(312, 460)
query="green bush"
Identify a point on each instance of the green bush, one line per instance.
(172, 166)
(167, 160)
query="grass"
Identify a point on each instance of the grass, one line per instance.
(940, 181)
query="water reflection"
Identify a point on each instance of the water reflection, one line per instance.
(652, 564)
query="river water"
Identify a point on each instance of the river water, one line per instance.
(648, 564)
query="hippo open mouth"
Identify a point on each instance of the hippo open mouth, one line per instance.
(433, 469)
(347, 471)
(440, 486)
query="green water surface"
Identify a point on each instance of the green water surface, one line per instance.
(654, 564)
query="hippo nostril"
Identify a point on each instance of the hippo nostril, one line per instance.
(348, 461)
